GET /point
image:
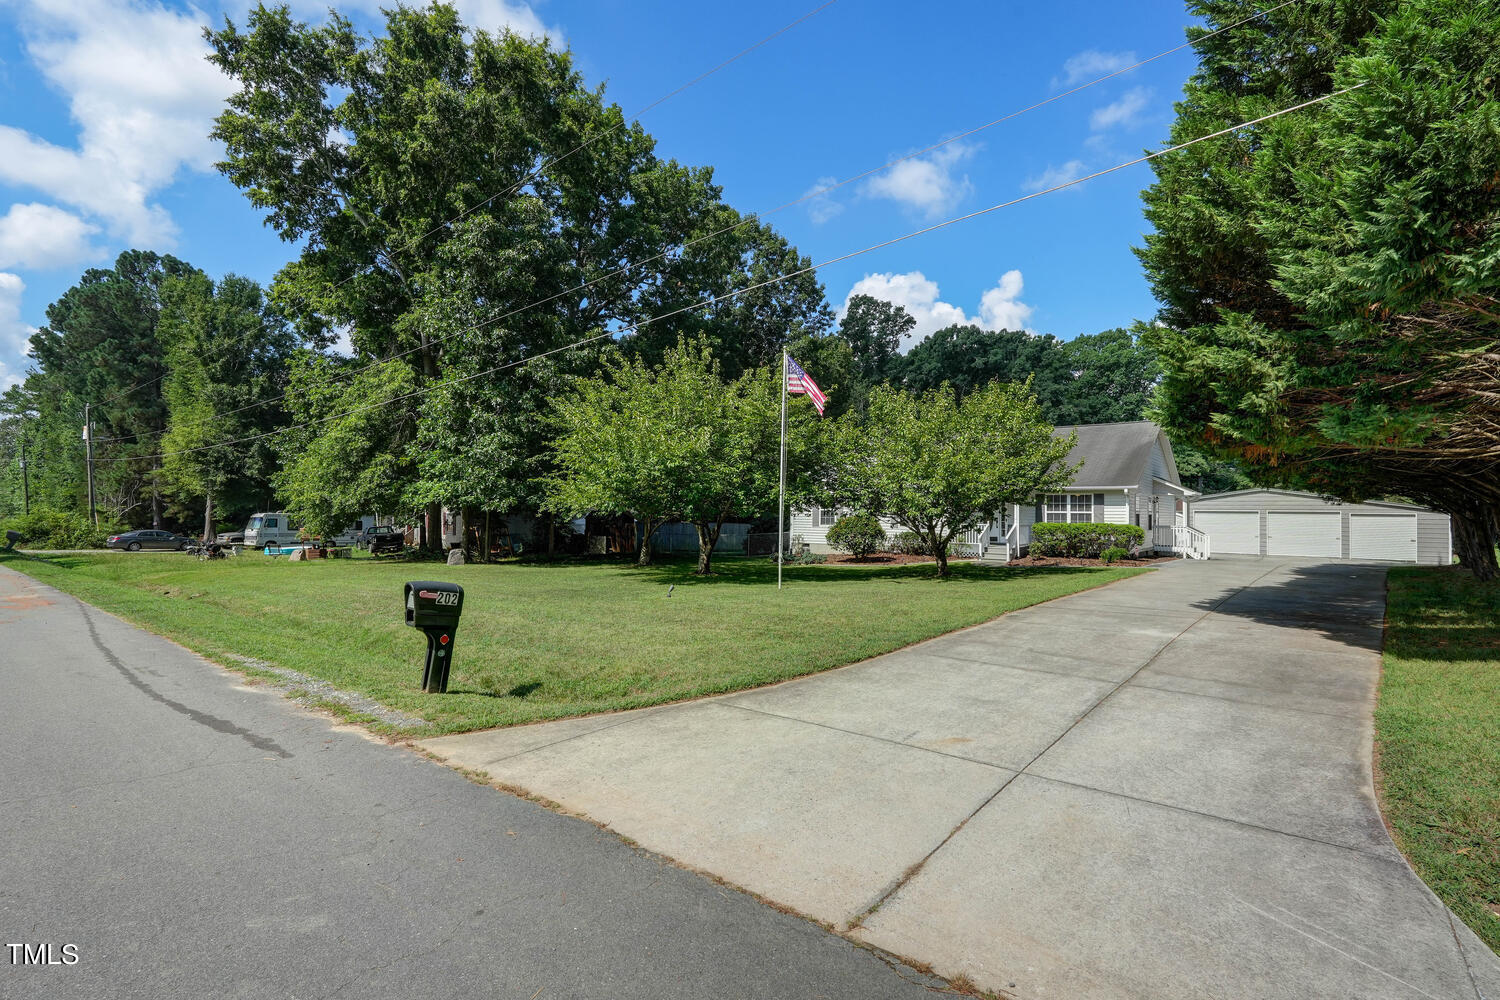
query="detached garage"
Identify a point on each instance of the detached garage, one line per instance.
(1286, 523)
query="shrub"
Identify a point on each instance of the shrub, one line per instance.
(857, 534)
(56, 529)
(1083, 541)
(906, 543)
(1112, 555)
(805, 557)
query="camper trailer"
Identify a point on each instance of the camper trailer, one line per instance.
(275, 528)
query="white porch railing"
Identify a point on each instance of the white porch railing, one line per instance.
(970, 544)
(1190, 543)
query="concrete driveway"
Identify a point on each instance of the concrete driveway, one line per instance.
(1158, 789)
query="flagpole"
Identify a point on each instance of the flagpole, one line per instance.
(781, 491)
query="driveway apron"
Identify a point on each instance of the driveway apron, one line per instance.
(1158, 789)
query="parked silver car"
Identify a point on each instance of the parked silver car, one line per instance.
(147, 538)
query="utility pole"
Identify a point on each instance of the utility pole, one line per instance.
(88, 452)
(25, 478)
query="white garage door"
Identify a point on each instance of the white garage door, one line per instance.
(1303, 534)
(1230, 531)
(1387, 537)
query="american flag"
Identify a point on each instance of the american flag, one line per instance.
(799, 383)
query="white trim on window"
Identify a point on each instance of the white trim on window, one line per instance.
(1061, 508)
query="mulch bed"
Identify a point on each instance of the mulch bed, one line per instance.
(1064, 561)
(878, 559)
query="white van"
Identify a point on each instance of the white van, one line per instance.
(270, 528)
(276, 528)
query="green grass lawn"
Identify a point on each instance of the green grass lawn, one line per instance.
(544, 641)
(1438, 729)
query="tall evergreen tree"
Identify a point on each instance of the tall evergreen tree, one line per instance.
(1329, 278)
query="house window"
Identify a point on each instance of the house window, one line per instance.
(827, 516)
(1064, 507)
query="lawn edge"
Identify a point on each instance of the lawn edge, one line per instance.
(1138, 571)
(345, 715)
(1377, 778)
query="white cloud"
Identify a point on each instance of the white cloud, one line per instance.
(492, 15)
(1053, 176)
(143, 97)
(1123, 112)
(1000, 308)
(42, 237)
(928, 183)
(14, 334)
(1090, 64)
(821, 206)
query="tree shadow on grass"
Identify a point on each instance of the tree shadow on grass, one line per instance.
(760, 572)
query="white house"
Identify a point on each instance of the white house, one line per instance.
(1126, 475)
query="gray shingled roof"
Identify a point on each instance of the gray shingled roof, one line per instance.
(1112, 454)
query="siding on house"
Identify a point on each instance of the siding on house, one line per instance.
(806, 526)
(1434, 538)
(1116, 508)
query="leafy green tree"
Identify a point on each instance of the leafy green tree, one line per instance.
(364, 149)
(873, 328)
(969, 357)
(940, 464)
(226, 354)
(1327, 278)
(748, 330)
(1205, 473)
(1113, 376)
(337, 463)
(677, 442)
(101, 346)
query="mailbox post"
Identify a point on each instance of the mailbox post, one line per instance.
(434, 608)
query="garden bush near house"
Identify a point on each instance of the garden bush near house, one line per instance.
(857, 534)
(44, 528)
(1083, 541)
(1112, 555)
(908, 543)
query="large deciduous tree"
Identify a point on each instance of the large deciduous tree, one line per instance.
(1113, 377)
(939, 464)
(1329, 279)
(677, 442)
(967, 357)
(467, 202)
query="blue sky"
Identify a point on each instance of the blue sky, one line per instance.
(105, 107)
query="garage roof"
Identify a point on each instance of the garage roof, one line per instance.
(1254, 490)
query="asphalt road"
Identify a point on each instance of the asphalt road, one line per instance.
(191, 837)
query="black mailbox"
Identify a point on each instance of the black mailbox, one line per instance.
(434, 608)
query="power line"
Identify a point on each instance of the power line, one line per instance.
(126, 392)
(770, 281)
(625, 119)
(498, 317)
